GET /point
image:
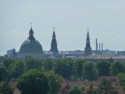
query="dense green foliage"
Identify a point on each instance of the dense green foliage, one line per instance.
(89, 71)
(33, 82)
(116, 68)
(54, 81)
(5, 88)
(105, 87)
(16, 69)
(4, 75)
(76, 90)
(121, 78)
(33, 64)
(64, 68)
(69, 69)
(103, 68)
(79, 68)
(37, 81)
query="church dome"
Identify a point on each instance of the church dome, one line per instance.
(31, 45)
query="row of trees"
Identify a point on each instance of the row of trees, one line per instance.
(69, 69)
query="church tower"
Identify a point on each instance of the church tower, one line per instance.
(54, 48)
(88, 47)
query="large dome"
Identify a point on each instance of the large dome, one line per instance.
(31, 45)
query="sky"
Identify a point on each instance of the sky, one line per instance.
(105, 19)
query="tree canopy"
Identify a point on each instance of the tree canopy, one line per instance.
(75, 90)
(106, 87)
(64, 68)
(116, 68)
(89, 71)
(103, 68)
(5, 88)
(54, 81)
(33, 82)
(4, 76)
(121, 78)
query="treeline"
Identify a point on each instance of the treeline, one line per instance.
(69, 69)
(55, 70)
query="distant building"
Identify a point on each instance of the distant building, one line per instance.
(31, 47)
(11, 53)
(121, 53)
(88, 50)
(54, 48)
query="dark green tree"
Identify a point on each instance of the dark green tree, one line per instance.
(54, 82)
(103, 68)
(79, 68)
(76, 90)
(33, 64)
(121, 79)
(105, 87)
(16, 69)
(7, 63)
(4, 75)
(64, 67)
(33, 82)
(48, 64)
(116, 68)
(5, 88)
(89, 71)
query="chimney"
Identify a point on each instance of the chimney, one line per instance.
(96, 44)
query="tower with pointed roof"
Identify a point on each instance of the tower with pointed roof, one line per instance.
(54, 48)
(88, 50)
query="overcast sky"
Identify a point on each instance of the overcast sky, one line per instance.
(105, 18)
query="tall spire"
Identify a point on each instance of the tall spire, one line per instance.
(54, 48)
(54, 36)
(88, 47)
(31, 33)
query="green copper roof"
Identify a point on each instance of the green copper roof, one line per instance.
(31, 44)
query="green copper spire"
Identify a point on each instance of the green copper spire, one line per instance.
(54, 48)
(88, 47)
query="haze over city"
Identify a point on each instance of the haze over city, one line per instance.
(105, 18)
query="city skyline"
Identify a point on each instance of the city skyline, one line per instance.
(106, 21)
